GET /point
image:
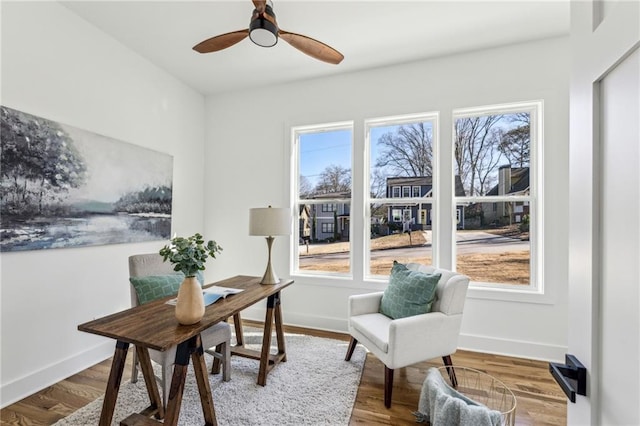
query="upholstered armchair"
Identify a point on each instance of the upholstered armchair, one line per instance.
(218, 335)
(405, 341)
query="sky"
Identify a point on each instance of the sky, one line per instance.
(322, 149)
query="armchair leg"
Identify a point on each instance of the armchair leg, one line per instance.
(388, 386)
(452, 373)
(351, 348)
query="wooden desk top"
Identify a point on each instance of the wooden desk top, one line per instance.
(155, 326)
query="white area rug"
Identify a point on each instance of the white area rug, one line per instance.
(316, 386)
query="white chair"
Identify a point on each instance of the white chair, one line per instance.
(219, 335)
(405, 341)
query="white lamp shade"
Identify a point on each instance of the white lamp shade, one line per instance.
(269, 221)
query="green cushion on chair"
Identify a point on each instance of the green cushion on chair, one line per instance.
(153, 287)
(409, 292)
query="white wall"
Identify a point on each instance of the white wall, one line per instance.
(252, 170)
(57, 66)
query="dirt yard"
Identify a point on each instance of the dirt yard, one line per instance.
(507, 267)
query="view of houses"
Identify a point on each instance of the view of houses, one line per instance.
(330, 221)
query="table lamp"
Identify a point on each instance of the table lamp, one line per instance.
(269, 222)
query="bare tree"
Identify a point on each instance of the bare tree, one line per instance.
(334, 178)
(378, 183)
(407, 152)
(476, 151)
(305, 189)
(515, 142)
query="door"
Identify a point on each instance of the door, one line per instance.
(604, 233)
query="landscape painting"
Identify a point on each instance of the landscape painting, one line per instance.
(66, 187)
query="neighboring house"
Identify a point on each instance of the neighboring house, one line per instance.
(330, 219)
(417, 215)
(304, 222)
(511, 181)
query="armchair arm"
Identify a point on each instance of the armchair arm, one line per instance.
(361, 304)
(421, 337)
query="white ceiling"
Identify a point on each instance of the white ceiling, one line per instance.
(369, 33)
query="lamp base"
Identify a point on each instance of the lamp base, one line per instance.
(269, 277)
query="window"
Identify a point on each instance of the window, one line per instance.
(495, 163)
(322, 197)
(328, 207)
(327, 228)
(400, 163)
(491, 176)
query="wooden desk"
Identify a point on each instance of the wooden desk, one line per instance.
(154, 326)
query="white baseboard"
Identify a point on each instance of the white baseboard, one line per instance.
(338, 325)
(514, 348)
(474, 343)
(27, 385)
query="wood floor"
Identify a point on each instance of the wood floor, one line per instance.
(540, 400)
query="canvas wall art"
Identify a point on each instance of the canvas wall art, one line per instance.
(66, 187)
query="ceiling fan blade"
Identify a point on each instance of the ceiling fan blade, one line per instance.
(221, 41)
(260, 5)
(311, 47)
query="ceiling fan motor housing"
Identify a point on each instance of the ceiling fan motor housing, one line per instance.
(263, 31)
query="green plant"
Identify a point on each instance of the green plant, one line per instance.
(189, 254)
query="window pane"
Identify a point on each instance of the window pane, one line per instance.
(492, 154)
(324, 238)
(401, 157)
(407, 239)
(492, 242)
(324, 164)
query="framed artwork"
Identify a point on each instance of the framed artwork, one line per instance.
(61, 186)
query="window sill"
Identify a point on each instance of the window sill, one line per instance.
(509, 294)
(476, 291)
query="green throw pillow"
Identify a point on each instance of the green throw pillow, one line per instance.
(153, 287)
(409, 292)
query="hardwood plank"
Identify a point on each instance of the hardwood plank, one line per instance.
(540, 400)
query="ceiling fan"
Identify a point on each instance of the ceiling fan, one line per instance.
(263, 30)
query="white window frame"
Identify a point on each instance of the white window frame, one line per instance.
(399, 192)
(413, 191)
(406, 189)
(296, 132)
(440, 215)
(434, 118)
(393, 215)
(534, 198)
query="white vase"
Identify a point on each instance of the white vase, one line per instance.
(190, 303)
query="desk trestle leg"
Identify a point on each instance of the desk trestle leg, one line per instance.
(113, 385)
(267, 361)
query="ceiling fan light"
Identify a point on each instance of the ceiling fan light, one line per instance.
(263, 32)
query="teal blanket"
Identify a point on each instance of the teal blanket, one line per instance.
(442, 405)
